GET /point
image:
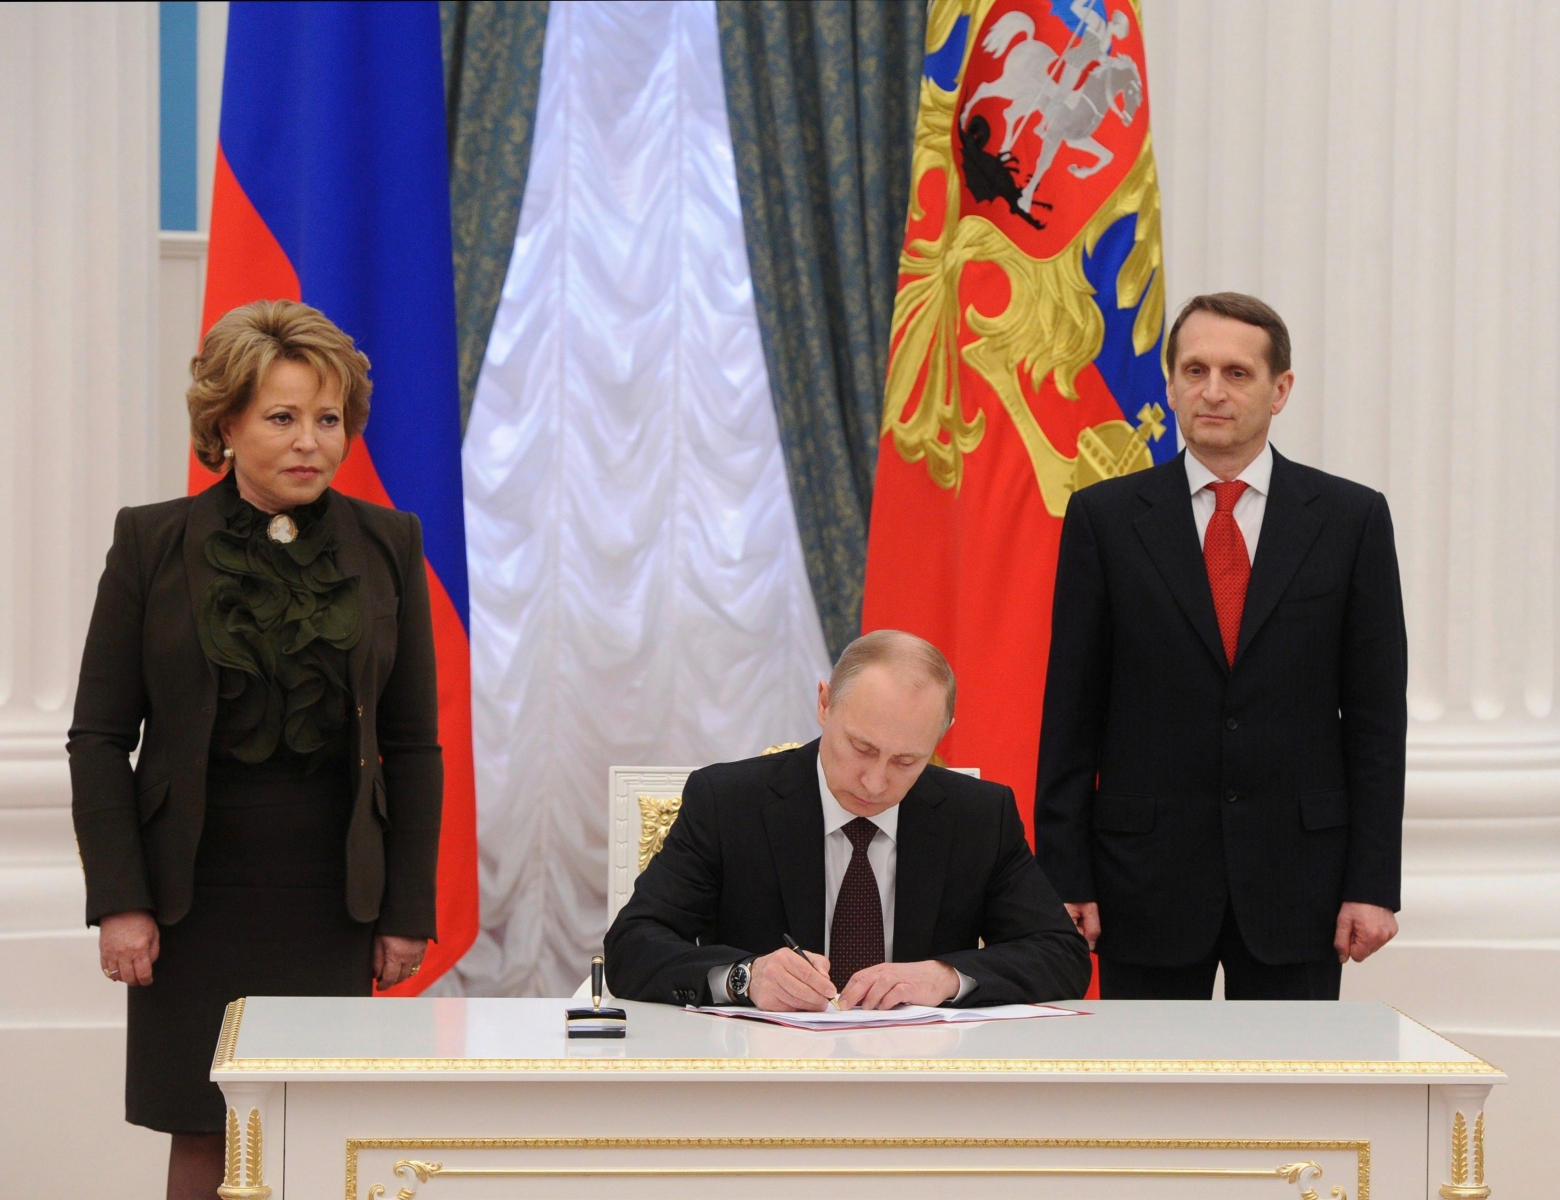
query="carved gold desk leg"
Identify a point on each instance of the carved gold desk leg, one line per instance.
(253, 1133)
(1457, 1142)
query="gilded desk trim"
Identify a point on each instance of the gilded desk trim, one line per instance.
(1461, 1186)
(1442, 1036)
(227, 1039)
(243, 1173)
(842, 1066)
(1296, 1173)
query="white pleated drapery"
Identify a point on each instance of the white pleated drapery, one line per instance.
(638, 594)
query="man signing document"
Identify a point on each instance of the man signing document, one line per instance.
(904, 883)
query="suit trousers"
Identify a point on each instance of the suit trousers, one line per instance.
(1245, 978)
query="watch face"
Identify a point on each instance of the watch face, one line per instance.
(739, 980)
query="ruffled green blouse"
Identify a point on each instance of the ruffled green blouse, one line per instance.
(277, 622)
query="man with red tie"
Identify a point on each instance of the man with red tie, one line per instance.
(1222, 757)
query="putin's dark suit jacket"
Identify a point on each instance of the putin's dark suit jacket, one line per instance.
(1171, 784)
(144, 677)
(743, 866)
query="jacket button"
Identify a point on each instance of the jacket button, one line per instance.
(360, 710)
(363, 762)
(1231, 797)
(1231, 723)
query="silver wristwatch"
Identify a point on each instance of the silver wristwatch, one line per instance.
(737, 980)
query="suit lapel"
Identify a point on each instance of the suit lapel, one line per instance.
(349, 561)
(208, 513)
(1289, 528)
(1169, 534)
(793, 821)
(923, 845)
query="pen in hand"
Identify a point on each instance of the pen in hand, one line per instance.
(791, 942)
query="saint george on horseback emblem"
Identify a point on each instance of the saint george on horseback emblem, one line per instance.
(1031, 293)
(1039, 97)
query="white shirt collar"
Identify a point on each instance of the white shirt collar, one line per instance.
(835, 815)
(1258, 473)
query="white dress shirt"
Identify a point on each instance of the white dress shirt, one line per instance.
(1249, 509)
(882, 853)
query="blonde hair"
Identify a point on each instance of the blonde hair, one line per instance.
(894, 647)
(244, 344)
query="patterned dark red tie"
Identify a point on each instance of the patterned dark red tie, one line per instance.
(856, 935)
(1229, 565)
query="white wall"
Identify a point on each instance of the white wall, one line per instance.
(78, 335)
(1388, 176)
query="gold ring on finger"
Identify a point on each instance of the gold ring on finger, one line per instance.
(114, 974)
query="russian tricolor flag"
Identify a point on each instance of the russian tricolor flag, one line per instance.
(332, 188)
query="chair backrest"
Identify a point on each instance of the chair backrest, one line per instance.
(642, 805)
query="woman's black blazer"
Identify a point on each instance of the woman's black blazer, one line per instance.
(143, 665)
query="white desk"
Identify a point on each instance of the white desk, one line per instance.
(479, 1099)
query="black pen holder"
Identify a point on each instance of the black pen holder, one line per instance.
(596, 1022)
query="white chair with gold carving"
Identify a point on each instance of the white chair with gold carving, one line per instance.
(643, 803)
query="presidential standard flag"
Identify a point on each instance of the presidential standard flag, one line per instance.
(332, 188)
(1026, 354)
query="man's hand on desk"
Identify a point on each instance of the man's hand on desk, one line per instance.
(786, 982)
(1087, 918)
(1362, 930)
(887, 984)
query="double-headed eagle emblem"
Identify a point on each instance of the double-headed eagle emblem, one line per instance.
(1005, 201)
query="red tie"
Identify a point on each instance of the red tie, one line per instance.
(1229, 566)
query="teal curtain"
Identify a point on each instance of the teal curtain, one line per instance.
(822, 98)
(492, 74)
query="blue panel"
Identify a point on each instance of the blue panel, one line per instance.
(176, 42)
(1064, 12)
(333, 123)
(942, 64)
(1134, 379)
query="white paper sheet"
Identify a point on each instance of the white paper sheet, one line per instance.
(905, 1014)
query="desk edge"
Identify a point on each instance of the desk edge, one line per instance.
(226, 1065)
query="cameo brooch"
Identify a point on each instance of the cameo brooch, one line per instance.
(282, 529)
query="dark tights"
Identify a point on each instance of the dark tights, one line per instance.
(195, 1163)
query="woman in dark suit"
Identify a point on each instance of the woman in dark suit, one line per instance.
(269, 645)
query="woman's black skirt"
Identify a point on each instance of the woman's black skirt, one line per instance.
(269, 918)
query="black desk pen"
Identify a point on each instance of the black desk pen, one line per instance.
(791, 942)
(595, 1021)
